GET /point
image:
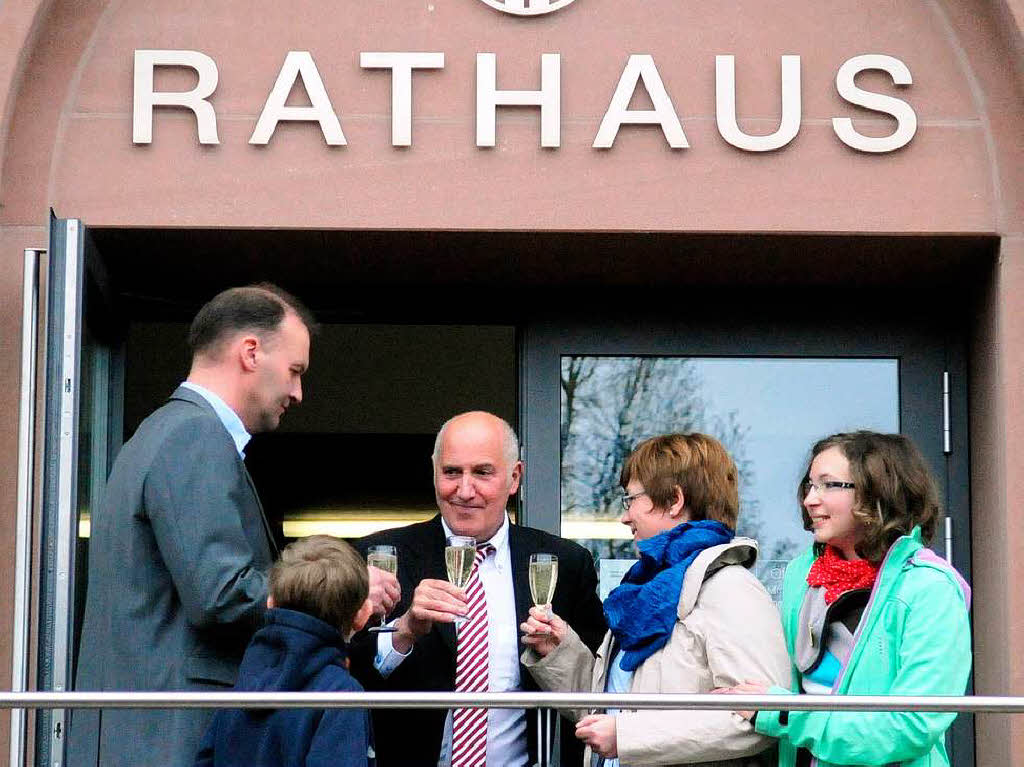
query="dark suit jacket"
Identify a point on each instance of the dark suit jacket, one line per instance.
(412, 737)
(177, 584)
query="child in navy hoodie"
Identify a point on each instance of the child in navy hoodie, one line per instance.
(318, 599)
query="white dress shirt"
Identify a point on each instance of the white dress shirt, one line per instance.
(506, 727)
(227, 416)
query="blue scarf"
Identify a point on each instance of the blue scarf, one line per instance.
(641, 611)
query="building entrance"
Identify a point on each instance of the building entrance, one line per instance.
(585, 343)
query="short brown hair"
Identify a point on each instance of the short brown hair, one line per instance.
(259, 308)
(698, 464)
(894, 489)
(321, 576)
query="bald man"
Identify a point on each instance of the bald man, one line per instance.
(476, 469)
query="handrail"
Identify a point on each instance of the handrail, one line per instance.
(964, 703)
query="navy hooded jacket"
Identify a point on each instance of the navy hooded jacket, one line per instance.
(294, 652)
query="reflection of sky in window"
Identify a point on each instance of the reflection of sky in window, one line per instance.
(788, 404)
(780, 407)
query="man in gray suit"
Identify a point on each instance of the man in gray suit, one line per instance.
(180, 545)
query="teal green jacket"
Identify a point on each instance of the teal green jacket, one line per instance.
(913, 639)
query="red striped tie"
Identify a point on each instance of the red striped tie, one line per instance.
(469, 725)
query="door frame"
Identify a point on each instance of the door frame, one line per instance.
(59, 480)
(927, 349)
(73, 277)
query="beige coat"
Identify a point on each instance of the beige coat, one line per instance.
(728, 631)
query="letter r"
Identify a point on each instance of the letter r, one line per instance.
(146, 62)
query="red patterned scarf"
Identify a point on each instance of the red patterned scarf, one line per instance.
(839, 575)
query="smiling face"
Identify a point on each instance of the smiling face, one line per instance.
(472, 476)
(831, 510)
(645, 519)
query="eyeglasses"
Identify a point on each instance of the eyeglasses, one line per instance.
(827, 486)
(627, 500)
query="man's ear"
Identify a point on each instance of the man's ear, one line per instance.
(247, 348)
(363, 615)
(270, 603)
(517, 475)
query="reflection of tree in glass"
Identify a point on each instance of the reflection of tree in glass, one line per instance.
(609, 404)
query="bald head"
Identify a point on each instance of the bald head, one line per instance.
(476, 469)
(483, 420)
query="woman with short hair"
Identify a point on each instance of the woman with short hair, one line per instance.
(687, 618)
(868, 610)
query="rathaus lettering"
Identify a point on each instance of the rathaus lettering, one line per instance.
(640, 71)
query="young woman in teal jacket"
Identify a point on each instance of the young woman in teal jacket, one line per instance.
(868, 610)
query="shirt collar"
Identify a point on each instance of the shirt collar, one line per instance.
(227, 416)
(499, 540)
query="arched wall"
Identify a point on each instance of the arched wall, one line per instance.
(65, 142)
(73, 121)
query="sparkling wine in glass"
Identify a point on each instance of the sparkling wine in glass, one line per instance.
(383, 558)
(459, 554)
(543, 577)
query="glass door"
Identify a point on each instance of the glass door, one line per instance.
(764, 382)
(766, 411)
(82, 431)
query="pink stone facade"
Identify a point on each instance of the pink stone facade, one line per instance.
(66, 104)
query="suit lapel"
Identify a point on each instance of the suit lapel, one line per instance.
(434, 567)
(521, 544)
(184, 393)
(520, 549)
(263, 516)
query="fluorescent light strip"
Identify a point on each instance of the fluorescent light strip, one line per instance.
(342, 527)
(359, 523)
(600, 529)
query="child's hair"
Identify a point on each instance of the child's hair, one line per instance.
(322, 576)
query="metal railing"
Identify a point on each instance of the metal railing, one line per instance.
(977, 704)
(540, 700)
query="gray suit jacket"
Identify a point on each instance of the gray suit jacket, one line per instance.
(178, 560)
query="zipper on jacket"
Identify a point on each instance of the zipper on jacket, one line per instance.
(857, 633)
(830, 611)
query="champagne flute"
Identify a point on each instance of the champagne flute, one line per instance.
(543, 577)
(383, 558)
(459, 554)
